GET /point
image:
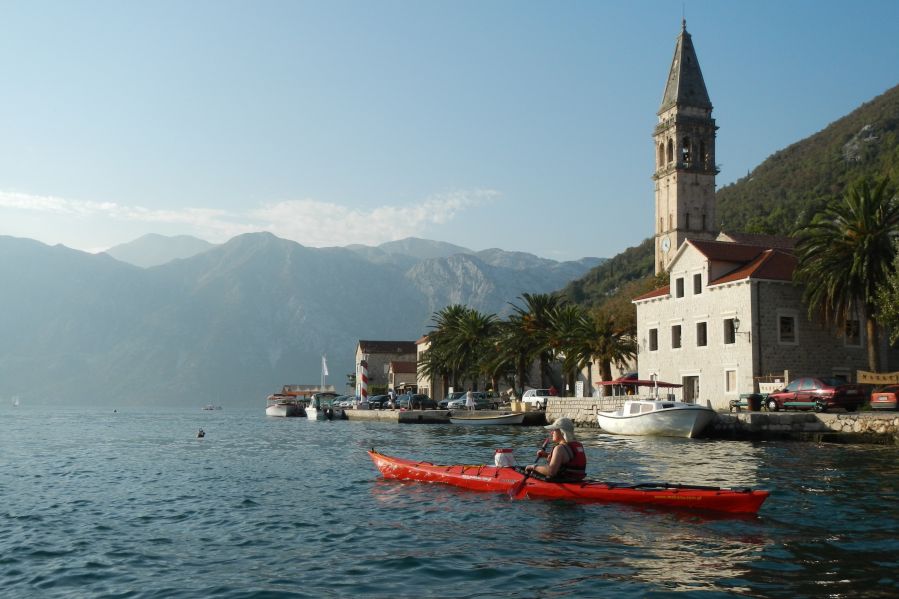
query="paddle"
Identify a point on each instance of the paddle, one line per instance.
(519, 486)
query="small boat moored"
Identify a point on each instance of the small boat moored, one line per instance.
(283, 405)
(517, 418)
(654, 416)
(513, 481)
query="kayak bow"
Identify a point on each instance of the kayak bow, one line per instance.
(501, 480)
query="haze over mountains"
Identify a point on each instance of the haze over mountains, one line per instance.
(231, 323)
(178, 320)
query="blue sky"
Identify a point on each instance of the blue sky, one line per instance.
(513, 124)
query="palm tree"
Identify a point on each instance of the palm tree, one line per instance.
(514, 348)
(845, 254)
(439, 360)
(605, 343)
(569, 332)
(471, 339)
(535, 320)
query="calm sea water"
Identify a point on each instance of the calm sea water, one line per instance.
(131, 504)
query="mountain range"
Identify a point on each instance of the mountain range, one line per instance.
(178, 320)
(191, 322)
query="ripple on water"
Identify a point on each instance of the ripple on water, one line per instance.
(286, 507)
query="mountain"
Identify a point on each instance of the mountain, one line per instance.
(783, 193)
(153, 250)
(787, 189)
(231, 324)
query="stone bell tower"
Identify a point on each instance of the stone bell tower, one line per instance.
(685, 157)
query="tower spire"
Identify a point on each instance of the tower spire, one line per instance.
(685, 156)
(685, 86)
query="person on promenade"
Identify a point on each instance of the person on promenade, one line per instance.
(469, 400)
(567, 461)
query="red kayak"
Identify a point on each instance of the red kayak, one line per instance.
(509, 480)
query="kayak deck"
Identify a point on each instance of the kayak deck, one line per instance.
(503, 480)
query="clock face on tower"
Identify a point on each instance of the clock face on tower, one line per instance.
(666, 244)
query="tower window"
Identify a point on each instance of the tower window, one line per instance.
(661, 155)
(670, 151)
(685, 150)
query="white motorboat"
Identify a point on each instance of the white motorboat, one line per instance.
(653, 415)
(318, 408)
(283, 405)
(488, 420)
(656, 417)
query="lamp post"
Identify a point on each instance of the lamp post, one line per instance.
(737, 329)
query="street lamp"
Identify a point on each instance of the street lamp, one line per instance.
(737, 330)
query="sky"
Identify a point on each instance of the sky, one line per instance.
(520, 125)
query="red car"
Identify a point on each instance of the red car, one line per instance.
(819, 394)
(885, 398)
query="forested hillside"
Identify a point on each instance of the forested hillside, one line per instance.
(781, 194)
(788, 188)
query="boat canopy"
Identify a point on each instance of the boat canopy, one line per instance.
(638, 383)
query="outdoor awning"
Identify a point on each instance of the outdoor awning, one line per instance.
(638, 383)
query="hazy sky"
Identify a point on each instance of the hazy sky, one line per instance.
(519, 124)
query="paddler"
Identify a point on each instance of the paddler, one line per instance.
(567, 461)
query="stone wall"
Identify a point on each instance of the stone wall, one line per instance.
(582, 410)
(858, 427)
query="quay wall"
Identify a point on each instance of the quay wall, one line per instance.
(851, 427)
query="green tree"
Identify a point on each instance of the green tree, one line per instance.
(845, 254)
(570, 331)
(608, 344)
(535, 319)
(471, 340)
(888, 300)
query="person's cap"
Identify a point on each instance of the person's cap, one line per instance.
(561, 424)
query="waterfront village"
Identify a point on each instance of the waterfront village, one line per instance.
(729, 332)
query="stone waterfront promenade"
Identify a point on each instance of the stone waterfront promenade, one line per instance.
(857, 427)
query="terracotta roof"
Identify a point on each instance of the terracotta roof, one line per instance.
(772, 265)
(403, 367)
(777, 242)
(727, 251)
(666, 290)
(387, 347)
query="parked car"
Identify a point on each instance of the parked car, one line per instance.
(819, 394)
(378, 402)
(416, 401)
(481, 402)
(537, 397)
(444, 403)
(885, 398)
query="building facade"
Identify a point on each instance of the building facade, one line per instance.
(731, 317)
(373, 359)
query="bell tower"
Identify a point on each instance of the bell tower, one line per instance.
(684, 157)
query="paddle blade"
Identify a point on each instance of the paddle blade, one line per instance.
(517, 491)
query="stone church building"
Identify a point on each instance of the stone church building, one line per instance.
(731, 314)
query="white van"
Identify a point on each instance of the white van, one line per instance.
(536, 397)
